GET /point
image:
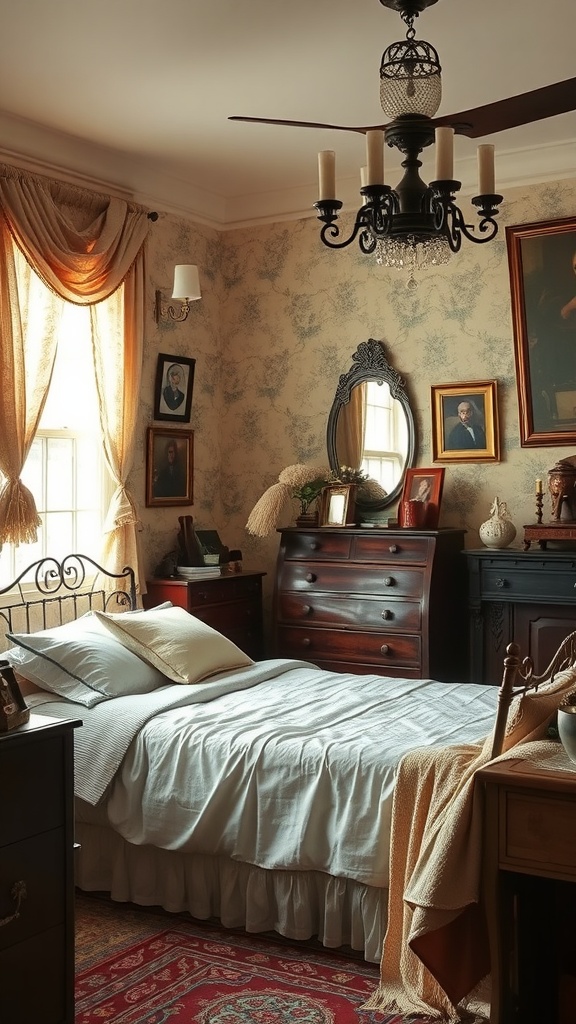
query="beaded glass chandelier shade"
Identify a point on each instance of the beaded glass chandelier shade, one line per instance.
(410, 80)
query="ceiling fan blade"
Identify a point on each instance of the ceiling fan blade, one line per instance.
(536, 105)
(307, 124)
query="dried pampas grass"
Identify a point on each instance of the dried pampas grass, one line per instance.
(266, 512)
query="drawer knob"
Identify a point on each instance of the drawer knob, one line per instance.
(307, 609)
(310, 577)
(393, 549)
(388, 581)
(306, 641)
(18, 893)
(386, 614)
(385, 649)
(501, 583)
(314, 545)
(203, 596)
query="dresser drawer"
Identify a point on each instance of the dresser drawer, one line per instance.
(217, 592)
(540, 831)
(34, 989)
(39, 863)
(39, 793)
(361, 613)
(508, 584)
(224, 617)
(377, 548)
(328, 546)
(396, 650)
(351, 579)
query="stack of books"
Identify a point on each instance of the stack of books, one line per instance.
(193, 572)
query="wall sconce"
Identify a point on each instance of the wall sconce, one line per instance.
(186, 289)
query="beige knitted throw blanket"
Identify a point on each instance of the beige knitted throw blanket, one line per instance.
(435, 950)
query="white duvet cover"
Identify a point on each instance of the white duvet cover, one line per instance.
(293, 771)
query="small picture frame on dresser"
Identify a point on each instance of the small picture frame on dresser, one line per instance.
(423, 486)
(337, 505)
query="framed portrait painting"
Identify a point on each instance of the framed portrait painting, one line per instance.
(422, 487)
(169, 467)
(465, 422)
(173, 388)
(542, 263)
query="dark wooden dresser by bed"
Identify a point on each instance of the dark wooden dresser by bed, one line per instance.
(528, 597)
(384, 601)
(37, 873)
(230, 603)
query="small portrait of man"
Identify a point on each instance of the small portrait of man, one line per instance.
(169, 473)
(421, 489)
(172, 393)
(464, 424)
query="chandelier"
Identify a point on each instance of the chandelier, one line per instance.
(414, 225)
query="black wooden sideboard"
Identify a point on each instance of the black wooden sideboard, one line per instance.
(528, 597)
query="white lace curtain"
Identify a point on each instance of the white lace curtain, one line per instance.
(86, 248)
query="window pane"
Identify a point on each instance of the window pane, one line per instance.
(59, 473)
(88, 474)
(88, 526)
(59, 533)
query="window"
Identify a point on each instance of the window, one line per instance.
(65, 468)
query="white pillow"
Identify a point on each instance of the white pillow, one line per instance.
(176, 643)
(82, 662)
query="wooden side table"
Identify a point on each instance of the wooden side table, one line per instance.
(529, 876)
(230, 603)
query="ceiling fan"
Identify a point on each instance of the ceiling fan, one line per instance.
(536, 105)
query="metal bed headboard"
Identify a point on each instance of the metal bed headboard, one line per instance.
(62, 590)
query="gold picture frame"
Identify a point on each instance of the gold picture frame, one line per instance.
(169, 467)
(337, 505)
(465, 422)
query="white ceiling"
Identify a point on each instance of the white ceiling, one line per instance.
(137, 93)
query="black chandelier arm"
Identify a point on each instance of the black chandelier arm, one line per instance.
(373, 219)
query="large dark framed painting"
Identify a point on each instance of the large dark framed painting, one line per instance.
(542, 261)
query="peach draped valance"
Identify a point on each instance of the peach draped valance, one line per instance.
(88, 249)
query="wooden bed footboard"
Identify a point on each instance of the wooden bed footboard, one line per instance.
(518, 678)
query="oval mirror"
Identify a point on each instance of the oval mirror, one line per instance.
(371, 427)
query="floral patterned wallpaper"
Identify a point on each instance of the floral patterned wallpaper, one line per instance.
(279, 319)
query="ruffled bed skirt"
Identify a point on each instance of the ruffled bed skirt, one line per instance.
(296, 904)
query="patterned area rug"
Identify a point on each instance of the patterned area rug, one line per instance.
(140, 967)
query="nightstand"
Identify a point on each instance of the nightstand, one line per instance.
(37, 873)
(230, 603)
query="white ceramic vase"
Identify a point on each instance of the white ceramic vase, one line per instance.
(498, 531)
(567, 725)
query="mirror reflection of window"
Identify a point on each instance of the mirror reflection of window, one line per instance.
(385, 436)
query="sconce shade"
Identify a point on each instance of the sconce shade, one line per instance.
(186, 282)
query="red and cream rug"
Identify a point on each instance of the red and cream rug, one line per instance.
(136, 967)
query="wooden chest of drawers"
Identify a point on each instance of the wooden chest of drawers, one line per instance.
(391, 602)
(36, 862)
(525, 596)
(231, 603)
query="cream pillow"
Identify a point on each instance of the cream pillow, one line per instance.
(176, 643)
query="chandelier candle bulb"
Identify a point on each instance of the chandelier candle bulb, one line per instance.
(486, 185)
(375, 157)
(444, 154)
(327, 174)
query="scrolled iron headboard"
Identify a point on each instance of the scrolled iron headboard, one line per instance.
(62, 590)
